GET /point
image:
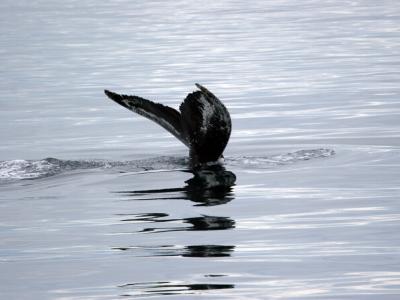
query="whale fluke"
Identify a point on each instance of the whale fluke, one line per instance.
(203, 123)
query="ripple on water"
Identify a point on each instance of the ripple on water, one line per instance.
(34, 169)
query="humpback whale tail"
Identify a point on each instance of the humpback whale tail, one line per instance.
(203, 123)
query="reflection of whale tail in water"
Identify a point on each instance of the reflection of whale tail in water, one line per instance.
(208, 187)
(203, 123)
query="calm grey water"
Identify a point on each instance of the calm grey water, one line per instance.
(93, 199)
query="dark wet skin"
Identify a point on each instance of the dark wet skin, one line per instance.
(203, 123)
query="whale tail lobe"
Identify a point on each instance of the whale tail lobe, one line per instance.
(165, 116)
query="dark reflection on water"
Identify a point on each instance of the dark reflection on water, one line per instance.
(185, 251)
(208, 187)
(169, 288)
(150, 217)
(210, 223)
(208, 251)
(196, 223)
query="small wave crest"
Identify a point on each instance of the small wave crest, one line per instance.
(262, 162)
(30, 169)
(34, 169)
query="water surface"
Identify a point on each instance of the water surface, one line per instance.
(97, 203)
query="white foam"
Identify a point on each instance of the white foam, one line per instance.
(280, 159)
(25, 169)
(32, 169)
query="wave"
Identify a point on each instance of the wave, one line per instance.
(35, 169)
(264, 162)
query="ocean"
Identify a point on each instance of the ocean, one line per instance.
(98, 203)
